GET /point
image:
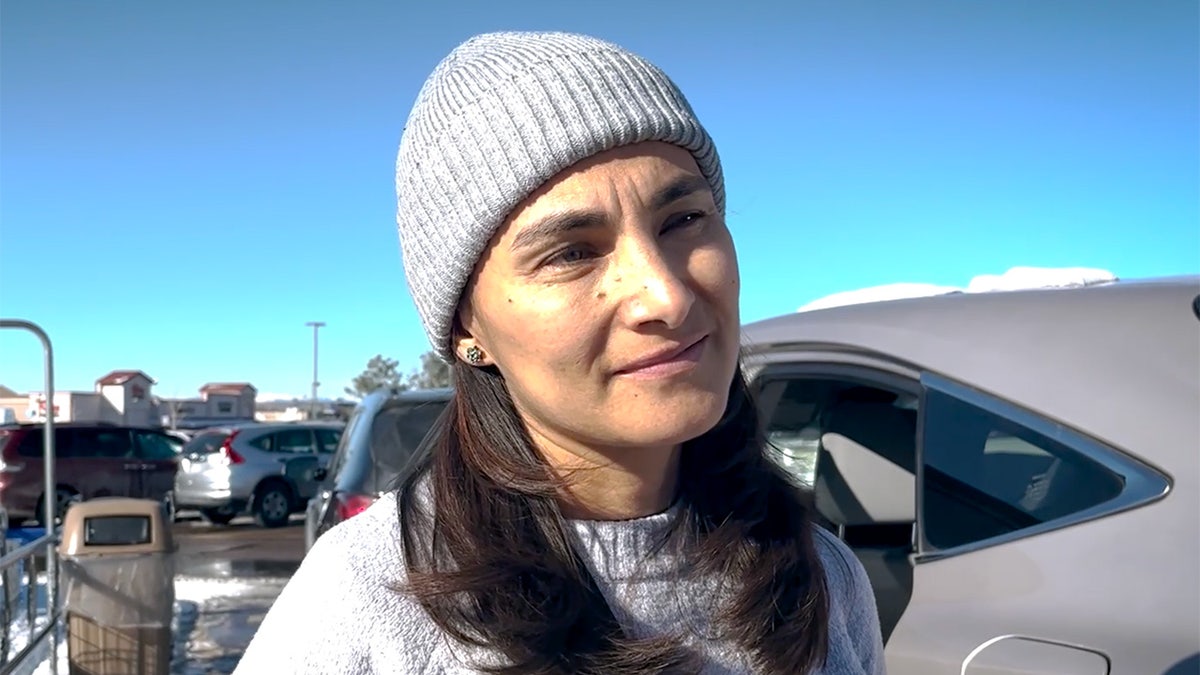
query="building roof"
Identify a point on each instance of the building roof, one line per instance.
(122, 376)
(5, 392)
(229, 388)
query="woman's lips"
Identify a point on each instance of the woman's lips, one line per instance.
(668, 362)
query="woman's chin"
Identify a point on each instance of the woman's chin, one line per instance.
(671, 422)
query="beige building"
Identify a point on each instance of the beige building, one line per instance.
(219, 403)
(235, 399)
(12, 405)
(126, 397)
(121, 397)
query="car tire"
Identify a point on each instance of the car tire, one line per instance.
(220, 516)
(64, 496)
(273, 505)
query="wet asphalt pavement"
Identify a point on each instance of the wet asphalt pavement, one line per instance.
(241, 549)
(227, 577)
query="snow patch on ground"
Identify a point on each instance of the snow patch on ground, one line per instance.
(214, 621)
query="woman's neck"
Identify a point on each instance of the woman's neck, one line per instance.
(614, 484)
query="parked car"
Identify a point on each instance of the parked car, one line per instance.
(181, 436)
(382, 434)
(262, 469)
(91, 460)
(1018, 471)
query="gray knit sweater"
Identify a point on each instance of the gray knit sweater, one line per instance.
(339, 616)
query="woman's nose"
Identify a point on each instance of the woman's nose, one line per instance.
(657, 290)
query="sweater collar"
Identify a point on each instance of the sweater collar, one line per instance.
(622, 549)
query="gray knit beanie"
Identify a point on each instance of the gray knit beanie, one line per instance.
(502, 114)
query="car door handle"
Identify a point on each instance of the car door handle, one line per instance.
(138, 467)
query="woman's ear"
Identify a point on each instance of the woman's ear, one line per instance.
(466, 347)
(470, 352)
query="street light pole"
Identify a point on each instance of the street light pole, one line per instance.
(316, 326)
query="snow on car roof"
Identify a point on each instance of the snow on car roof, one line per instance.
(1016, 278)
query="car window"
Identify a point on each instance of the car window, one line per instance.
(205, 443)
(154, 446)
(71, 443)
(986, 475)
(327, 439)
(31, 442)
(398, 431)
(265, 442)
(344, 441)
(99, 443)
(294, 441)
(792, 427)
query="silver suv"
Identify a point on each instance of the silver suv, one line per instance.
(262, 469)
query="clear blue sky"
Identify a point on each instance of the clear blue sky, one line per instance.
(184, 185)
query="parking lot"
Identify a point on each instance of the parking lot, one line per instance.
(227, 578)
(240, 549)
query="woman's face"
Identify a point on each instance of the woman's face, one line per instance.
(608, 300)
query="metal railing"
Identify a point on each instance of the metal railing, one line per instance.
(21, 585)
(24, 558)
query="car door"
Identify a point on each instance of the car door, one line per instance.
(847, 431)
(316, 514)
(100, 461)
(990, 597)
(327, 444)
(159, 461)
(297, 450)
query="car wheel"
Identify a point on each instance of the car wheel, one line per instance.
(273, 505)
(64, 497)
(220, 516)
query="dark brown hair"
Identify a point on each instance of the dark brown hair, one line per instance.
(493, 564)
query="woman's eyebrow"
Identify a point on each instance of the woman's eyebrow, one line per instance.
(678, 189)
(555, 225)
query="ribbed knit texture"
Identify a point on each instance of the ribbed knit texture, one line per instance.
(339, 616)
(502, 114)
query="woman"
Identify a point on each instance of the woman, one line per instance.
(597, 498)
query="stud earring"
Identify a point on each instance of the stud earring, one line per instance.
(474, 355)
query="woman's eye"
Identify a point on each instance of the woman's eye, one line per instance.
(569, 256)
(684, 220)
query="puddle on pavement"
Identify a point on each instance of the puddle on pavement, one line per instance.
(235, 569)
(216, 621)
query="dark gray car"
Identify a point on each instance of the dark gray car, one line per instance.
(384, 431)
